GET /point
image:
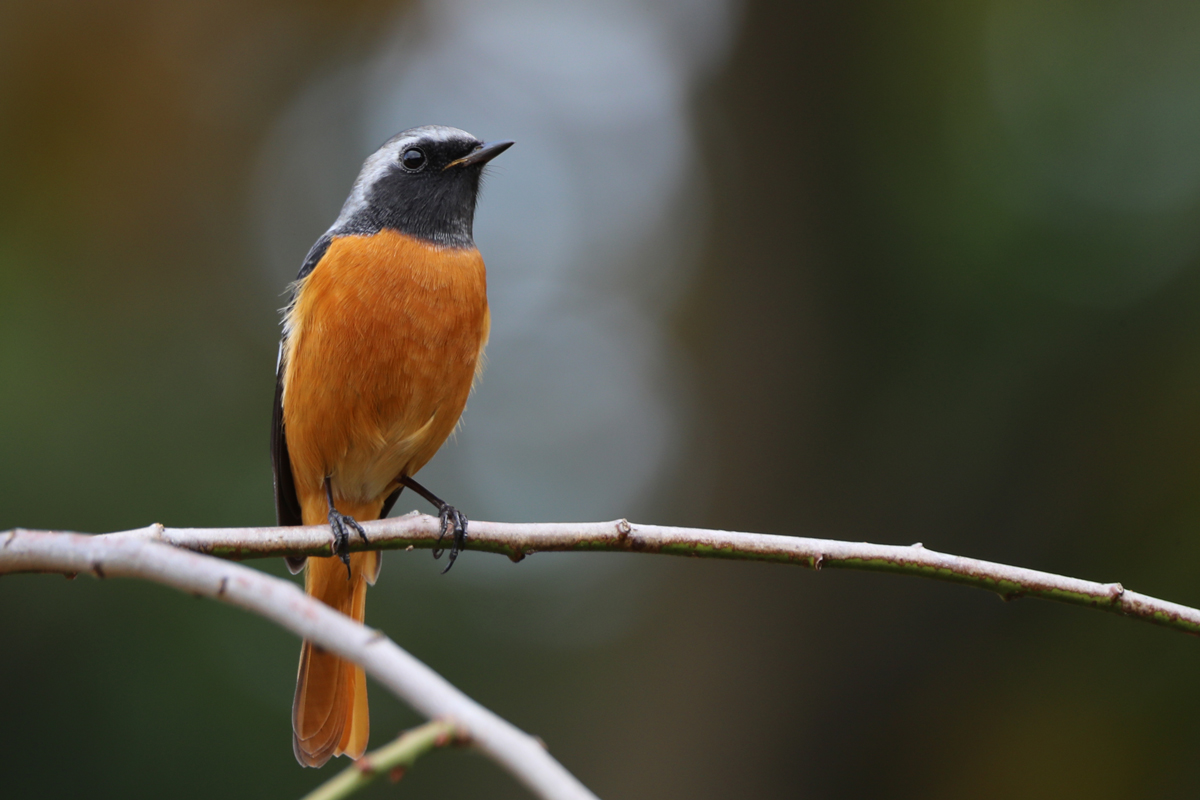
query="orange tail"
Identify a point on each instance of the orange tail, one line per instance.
(329, 713)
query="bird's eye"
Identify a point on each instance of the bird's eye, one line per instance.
(413, 159)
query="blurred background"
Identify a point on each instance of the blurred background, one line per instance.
(888, 272)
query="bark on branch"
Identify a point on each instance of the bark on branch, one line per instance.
(518, 540)
(283, 602)
(392, 759)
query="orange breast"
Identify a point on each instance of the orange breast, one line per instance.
(383, 344)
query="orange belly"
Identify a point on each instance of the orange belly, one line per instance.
(384, 340)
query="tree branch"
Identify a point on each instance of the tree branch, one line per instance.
(283, 602)
(394, 759)
(519, 540)
(141, 553)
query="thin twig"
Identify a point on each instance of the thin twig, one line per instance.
(286, 604)
(520, 540)
(393, 759)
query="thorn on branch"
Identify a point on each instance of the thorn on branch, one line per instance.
(97, 570)
(818, 562)
(397, 773)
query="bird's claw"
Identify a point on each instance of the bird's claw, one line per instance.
(452, 519)
(339, 524)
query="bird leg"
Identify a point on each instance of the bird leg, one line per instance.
(451, 518)
(339, 524)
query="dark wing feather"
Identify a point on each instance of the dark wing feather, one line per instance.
(287, 504)
(315, 254)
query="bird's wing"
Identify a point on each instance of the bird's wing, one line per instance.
(287, 504)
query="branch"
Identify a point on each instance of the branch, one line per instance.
(519, 540)
(394, 759)
(283, 602)
(139, 553)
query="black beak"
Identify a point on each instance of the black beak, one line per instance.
(481, 155)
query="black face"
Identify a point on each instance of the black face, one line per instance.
(423, 183)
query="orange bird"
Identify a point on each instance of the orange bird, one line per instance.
(381, 344)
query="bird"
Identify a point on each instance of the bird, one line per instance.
(382, 342)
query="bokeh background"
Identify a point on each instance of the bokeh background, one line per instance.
(892, 272)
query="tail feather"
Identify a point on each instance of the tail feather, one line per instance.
(319, 710)
(358, 726)
(330, 714)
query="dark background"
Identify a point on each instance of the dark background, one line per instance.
(944, 287)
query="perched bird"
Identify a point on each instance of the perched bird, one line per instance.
(382, 341)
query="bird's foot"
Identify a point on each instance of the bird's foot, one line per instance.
(452, 519)
(340, 525)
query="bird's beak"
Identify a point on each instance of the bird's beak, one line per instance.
(481, 155)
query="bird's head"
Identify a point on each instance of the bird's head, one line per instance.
(422, 182)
